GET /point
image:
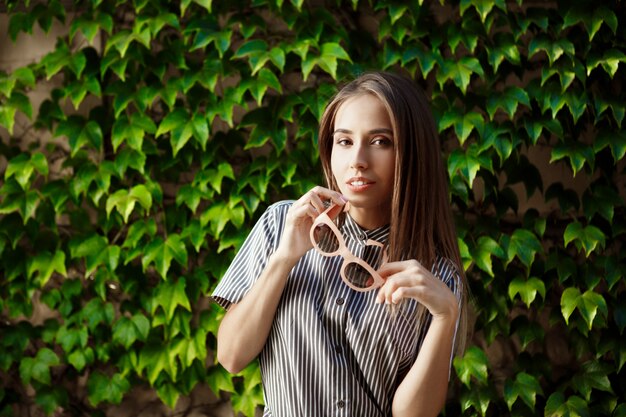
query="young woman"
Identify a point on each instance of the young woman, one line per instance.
(326, 345)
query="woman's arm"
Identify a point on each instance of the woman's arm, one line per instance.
(247, 324)
(423, 390)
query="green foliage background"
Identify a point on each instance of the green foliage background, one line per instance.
(122, 218)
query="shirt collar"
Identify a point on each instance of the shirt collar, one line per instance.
(353, 230)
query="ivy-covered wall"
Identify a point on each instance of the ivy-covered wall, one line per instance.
(173, 124)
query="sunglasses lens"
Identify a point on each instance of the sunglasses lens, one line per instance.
(325, 239)
(358, 276)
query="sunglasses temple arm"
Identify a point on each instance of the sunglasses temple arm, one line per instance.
(380, 245)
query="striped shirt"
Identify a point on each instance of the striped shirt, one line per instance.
(331, 350)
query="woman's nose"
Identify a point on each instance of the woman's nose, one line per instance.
(359, 158)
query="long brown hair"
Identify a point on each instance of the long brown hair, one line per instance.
(422, 225)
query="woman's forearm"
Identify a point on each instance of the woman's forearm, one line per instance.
(246, 325)
(423, 390)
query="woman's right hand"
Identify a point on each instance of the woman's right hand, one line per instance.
(295, 240)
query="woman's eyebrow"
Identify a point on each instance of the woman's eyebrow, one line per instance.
(371, 132)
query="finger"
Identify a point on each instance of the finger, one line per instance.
(328, 194)
(299, 212)
(392, 284)
(392, 268)
(316, 202)
(312, 212)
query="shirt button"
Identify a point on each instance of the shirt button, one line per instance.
(340, 404)
(339, 301)
(338, 348)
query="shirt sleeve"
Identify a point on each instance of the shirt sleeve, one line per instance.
(253, 256)
(449, 273)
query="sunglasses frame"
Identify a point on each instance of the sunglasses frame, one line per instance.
(327, 218)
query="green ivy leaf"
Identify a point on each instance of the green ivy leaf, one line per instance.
(38, 368)
(485, 248)
(124, 201)
(256, 51)
(615, 140)
(25, 204)
(79, 359)
(333, 49)
(468, 163)
(577, 153)
(124, 131)
(567, 71)
(127, 330)
(155, 359)
(278, 58)
(168, 393)
(45, 264)
(7, 117)
(426, 59)
(602, 200)
(138, 230)
(459, 72)
(96, 311)
(523, 244)
(161, 254)
(101, 388)
(527, 289)
(584, 237)
(71, 338)
(55, 61)
(80, 133)
(483, 7)
(20, 102)
(464, 122)
(248, 401)
(505, 48)
(592, 19)
(21, 168)
(609, 61)
(190, 349)
(587, 304)
(527, 331)
(479, 399)
(219, 379)
(557, 406)
(553, 48)
(525, 387)
(507, 101)
(175, 119)
(592, 376)
(200, 129)
(171, 295)
(190, 196)
(535, 128)
(472, 364)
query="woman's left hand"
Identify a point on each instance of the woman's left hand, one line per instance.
(409, 279)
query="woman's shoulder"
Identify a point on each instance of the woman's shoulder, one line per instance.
(446, 268)
(282, 205)
(279, 208)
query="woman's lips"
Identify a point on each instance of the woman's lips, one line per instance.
(359, 184)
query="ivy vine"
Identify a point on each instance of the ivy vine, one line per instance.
(173, 124)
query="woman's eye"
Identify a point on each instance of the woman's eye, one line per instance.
(382, 141)
(343, 141)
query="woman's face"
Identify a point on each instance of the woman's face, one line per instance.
(363, 159)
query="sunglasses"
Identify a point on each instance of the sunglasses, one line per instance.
(327, 240)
